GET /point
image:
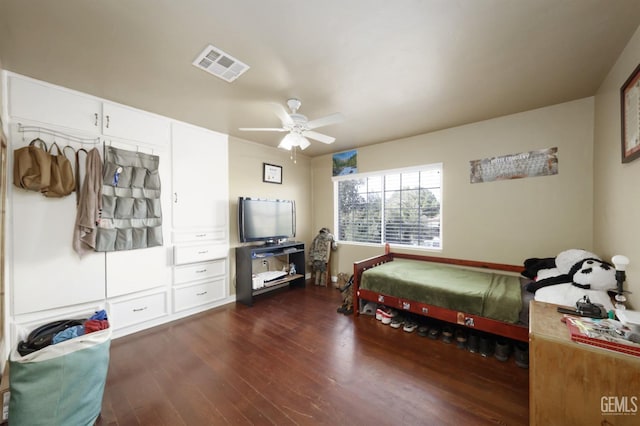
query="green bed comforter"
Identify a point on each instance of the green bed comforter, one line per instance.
(490, 295)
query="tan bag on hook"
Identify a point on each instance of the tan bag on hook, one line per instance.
(32, 166)
(63, 181)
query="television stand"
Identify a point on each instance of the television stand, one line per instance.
(253, 260)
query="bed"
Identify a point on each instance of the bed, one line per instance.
(483, 296)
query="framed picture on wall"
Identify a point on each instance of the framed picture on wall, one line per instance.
(630, 115)
(271, 173)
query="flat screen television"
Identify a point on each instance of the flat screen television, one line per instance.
(266, 220)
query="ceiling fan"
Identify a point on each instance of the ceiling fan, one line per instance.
(299, 127)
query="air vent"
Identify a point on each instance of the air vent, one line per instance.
(220, 64)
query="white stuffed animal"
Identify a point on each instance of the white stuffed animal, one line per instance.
(577, 273)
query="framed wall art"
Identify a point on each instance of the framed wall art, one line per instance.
(630, 116)
(271, 173)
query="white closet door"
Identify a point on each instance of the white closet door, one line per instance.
(200, 178)
(130, 271)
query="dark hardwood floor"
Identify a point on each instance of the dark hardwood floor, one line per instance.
(292, 360)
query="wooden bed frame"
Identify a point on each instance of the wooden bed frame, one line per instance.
(512, 331)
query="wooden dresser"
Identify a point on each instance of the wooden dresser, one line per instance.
(577, 384)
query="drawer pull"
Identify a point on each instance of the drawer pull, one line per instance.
(200, 235)
(203, 252)
(95, 114)
(144, 308)
(201, 294)
(200, 271)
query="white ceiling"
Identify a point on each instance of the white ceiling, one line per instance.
(393, 68)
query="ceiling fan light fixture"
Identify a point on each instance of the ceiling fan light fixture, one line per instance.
(304, 142)
(286, 142)
(292, 140)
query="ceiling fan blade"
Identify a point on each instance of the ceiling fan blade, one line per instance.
(262, 129)
(318, 137)
(282, 114)
(325, 121)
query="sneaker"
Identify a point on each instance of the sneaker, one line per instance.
(503, 349)
(461, 338)
(423, 330)
(473, 342)
(434, 333)
(521, 354)
(396, 321)
(410, 326)
(388, 315)
(383, 312)
(447, 334)
(369, 309)
(487, 346)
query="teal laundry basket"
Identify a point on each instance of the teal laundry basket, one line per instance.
(61, 384)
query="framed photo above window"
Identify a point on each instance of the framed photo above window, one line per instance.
(630, 115)
(271, 173)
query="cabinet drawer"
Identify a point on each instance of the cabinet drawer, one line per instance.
(199, 294)
(134, 311)
(195, 236)
(199, 253)
(199, 271)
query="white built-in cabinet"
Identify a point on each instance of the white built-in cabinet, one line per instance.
(139, 288)
(200, 216)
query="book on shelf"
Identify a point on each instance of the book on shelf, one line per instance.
(603, 333)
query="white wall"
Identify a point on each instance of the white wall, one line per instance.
(616, 200)
(503, 221)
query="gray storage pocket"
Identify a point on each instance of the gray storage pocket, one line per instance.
(124, 239)
(138, 178)
(124, 178)
(124, 208)
(106, 239)
(152, 180)
(154, 207)
(139, 238)
(108, 206)
(140, 208)
(154, 236)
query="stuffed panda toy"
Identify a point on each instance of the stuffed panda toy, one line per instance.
(569, 277)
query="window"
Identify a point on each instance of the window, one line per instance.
(397, 207)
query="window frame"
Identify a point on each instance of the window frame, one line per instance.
(382, 174)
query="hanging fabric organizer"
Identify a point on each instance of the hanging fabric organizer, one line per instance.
(131, 216)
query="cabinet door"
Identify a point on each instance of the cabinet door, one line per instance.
(130, 271)
(53, 105)
(127, 123)
(200, 178)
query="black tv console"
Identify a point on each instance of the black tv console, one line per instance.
(252, 260)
